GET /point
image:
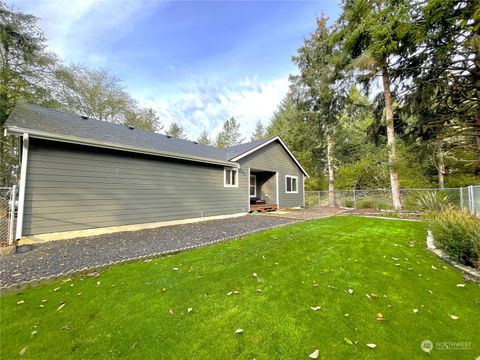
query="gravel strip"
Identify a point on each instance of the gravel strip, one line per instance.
(55, 258)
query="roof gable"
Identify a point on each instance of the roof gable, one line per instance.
(257, 145)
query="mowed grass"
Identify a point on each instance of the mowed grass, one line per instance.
(139, 310)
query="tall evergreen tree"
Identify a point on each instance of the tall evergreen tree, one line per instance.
(204, 138)
(259, 132)
(375, 34)
(229, 135)
(176, 131)
(317, 89)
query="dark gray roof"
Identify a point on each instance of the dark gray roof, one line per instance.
(57, 125)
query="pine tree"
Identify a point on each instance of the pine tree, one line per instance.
(176, 131)
(204, 138)
(375, 34)
(230, 134)
(259, 132)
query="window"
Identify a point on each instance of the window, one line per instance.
(231, 177)
(291, 184)
(253, 186)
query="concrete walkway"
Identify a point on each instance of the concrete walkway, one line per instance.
(56, 258)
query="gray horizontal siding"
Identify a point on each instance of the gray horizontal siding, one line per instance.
(273, 157)
(74, 187)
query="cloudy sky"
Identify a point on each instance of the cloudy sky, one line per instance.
(195, 62)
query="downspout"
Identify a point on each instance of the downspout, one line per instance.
(278, 191)
(23, 182)
(248, 190)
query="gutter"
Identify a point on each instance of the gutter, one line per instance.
(13, 130)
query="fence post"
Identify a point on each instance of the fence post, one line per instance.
(461, 198)
(471, 200)
(11, 213)
(318, 195)
(354, 199)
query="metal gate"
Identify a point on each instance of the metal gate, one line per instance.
(7, 213)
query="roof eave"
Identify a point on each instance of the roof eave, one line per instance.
(258, 147)
(14, 130)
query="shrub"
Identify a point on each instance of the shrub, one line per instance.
(348, 203)
(365, 204)
(431, 201)
(457, 232)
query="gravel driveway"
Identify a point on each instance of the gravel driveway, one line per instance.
(58, 257)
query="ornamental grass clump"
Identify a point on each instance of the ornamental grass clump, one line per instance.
(457, 232)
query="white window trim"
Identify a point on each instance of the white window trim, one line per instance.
(250, 185)
(292, 177)
(234, 171)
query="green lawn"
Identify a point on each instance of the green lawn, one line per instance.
(125, 312)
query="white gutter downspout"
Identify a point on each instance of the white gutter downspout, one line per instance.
(23, 182)
(248, 188)
(303, 178)
(278, 192)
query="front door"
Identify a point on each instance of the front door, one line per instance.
(253, 186)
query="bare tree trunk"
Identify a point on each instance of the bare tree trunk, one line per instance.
(331, 170)
(392, 151)
(477, 135)
(441, 167)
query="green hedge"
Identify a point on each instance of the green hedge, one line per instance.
(457, 233)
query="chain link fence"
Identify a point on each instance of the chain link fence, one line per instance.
(465, 198)
(470, 198)
(7, 213)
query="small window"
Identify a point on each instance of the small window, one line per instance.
(253, 186)
(291, 184)
(231, 178)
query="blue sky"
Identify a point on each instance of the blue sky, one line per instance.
(195, 62)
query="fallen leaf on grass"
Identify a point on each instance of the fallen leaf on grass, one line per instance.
(44, 300)
(255, 275)
(380, 317)
(315, 308)
(348, 341)
(34, 332)
(453, 317)
(23, 351)
(460, 285)
(20, 302)
(189, 310)
(394, 258)
(415, 311)
(62, 305)
(171, 311)
(259, 290)
(368, 296)
(239, 331)
(56, 289)
(372, 346)
(433, 267)
(349, 291)
(175, 269)
(315, 354)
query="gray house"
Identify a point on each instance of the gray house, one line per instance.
(78, 173)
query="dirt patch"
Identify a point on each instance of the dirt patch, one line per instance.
(307, 213)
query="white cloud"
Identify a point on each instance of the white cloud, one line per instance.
(81, 30)
(205, 107)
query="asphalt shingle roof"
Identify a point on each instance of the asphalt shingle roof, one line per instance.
(35, 118)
